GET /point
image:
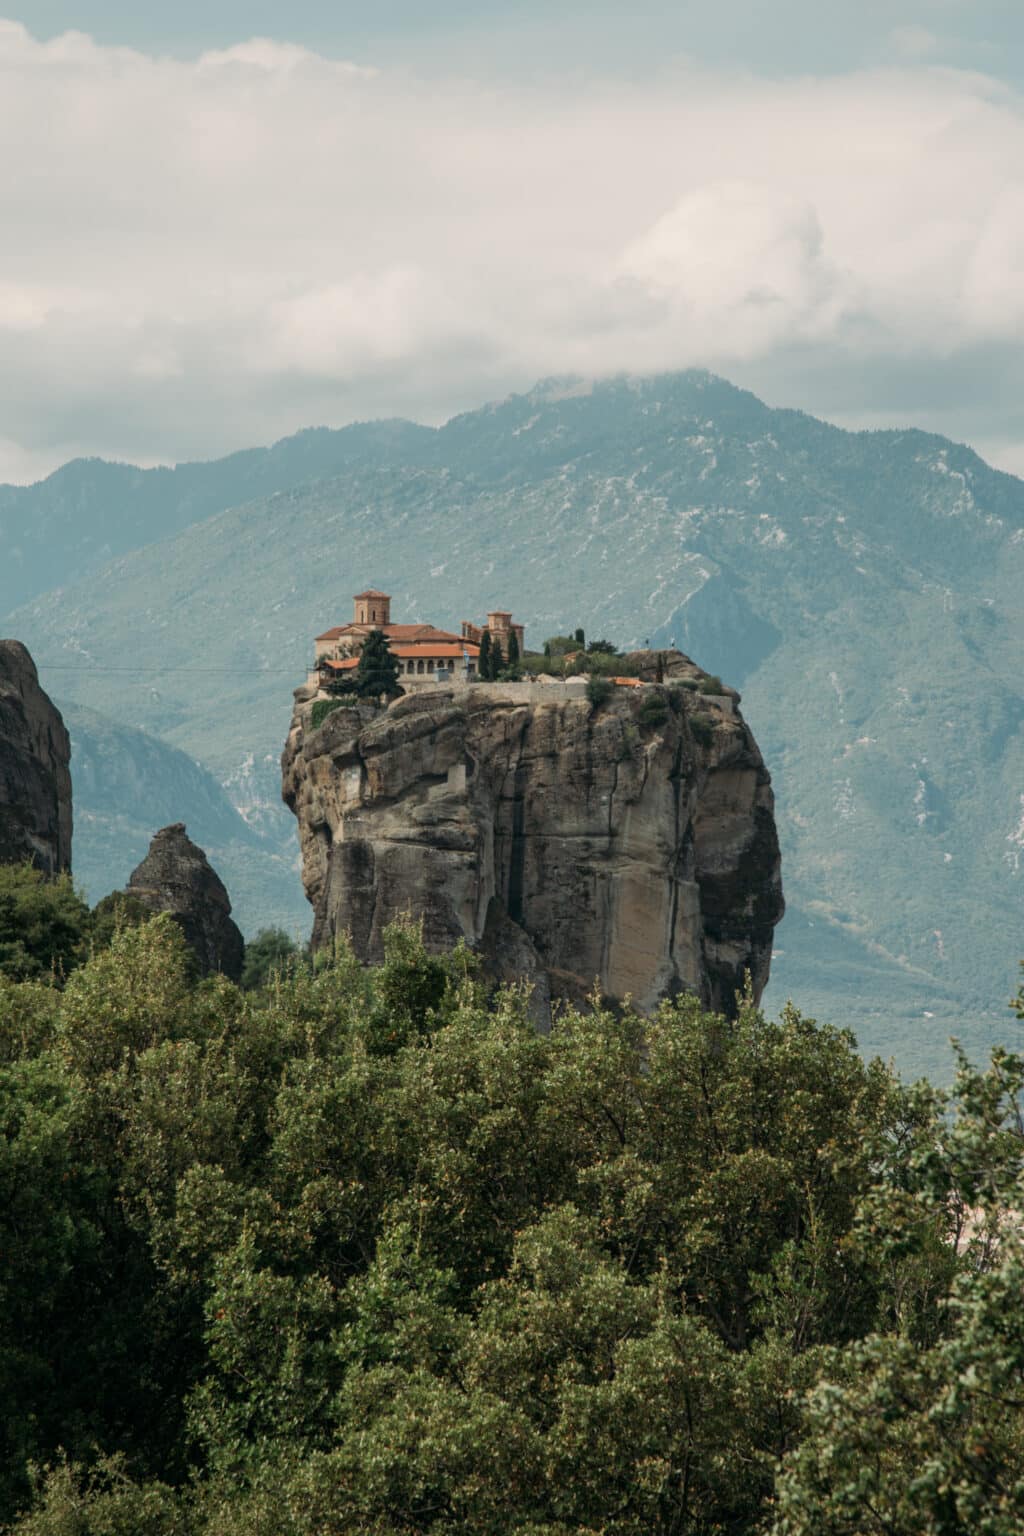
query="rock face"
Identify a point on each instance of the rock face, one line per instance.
(35, 782)
(176, 877)
(630, 843)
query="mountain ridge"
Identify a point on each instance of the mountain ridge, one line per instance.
(861, 586)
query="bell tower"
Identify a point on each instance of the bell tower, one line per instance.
(373, 608)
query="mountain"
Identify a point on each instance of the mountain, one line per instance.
(89, 511)
(861, 588)
(128, 784)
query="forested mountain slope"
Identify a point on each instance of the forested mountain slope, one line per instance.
(88, 511)
(861, 589)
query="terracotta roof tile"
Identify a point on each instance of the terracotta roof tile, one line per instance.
(432, 651)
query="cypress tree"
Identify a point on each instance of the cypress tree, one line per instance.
(513, 650)
(483, 665)
(377, 672)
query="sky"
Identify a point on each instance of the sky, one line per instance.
(224, 221)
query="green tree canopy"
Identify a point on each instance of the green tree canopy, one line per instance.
(512, 659)
(44, 923)
(271, 951)
(362, 1251)
(377, 672)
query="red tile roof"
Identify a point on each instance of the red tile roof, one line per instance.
(433, 650)
(342, 666)
(418, 632)
(393, 632)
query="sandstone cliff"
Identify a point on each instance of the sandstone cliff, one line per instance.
(35, 782)
(632, 843)
(176, 877)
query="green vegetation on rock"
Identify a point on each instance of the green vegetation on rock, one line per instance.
(324, 707)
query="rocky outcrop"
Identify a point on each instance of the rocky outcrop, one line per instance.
(176, 877)
(35, 782)
(631, 843)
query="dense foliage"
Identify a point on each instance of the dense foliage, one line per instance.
(361, 1251)
(271, 950)
(46, 927)
(377, 672)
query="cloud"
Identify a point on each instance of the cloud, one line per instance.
(914, 42)
(204, 253)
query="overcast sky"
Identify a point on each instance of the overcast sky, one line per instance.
(219, 226)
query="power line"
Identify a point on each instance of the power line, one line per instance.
(67, 666)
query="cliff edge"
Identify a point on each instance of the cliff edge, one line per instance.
(631, 842)
(35, 778)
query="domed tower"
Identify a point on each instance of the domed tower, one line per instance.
(373, 608)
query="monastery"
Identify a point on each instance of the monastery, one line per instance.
(422, 651)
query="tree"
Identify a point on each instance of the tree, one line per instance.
(269, 952)
(917, 1431)
(513, 658)
(44, 924)
(377, 672)
(365, 1251)
(483, 664)
(580, 638)
(601, 648)
(112, 913)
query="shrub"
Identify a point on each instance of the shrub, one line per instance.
(605, 664)
(711, 684)
(324, 707)
(599, 690)
(653, 710)
(555, 646)
(702, 727)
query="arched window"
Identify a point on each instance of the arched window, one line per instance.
(419, 666)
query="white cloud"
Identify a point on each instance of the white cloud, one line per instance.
(203, 253)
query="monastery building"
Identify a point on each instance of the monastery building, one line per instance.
(422, 651)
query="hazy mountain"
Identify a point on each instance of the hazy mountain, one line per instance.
(128, 784)
(88, 511)
(862, 589)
